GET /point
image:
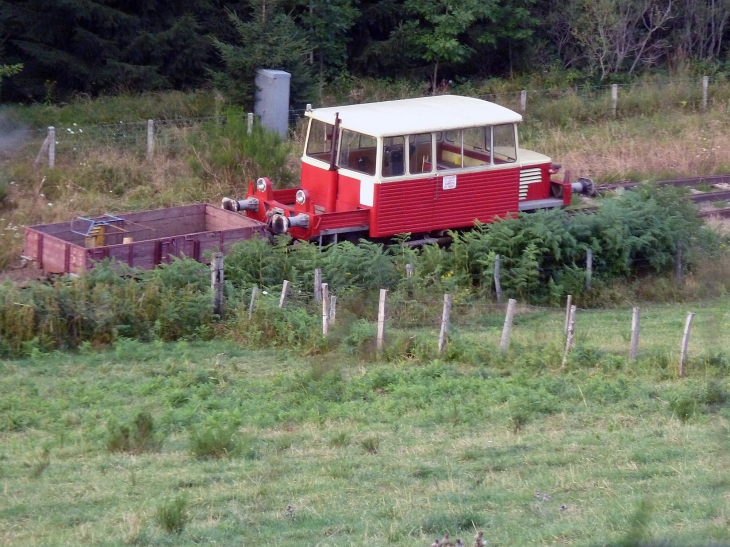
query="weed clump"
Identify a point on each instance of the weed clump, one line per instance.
(134, 438)
(214, 441)
(41, 464)
(172, 514)
(371, 445)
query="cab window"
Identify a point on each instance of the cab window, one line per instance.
(393, 156)
(420, 149)
(357, 152)
(319, 141)
(505, 143)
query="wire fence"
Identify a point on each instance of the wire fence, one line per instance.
(171, 136)
(670, 334)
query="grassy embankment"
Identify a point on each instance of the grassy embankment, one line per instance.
(659, 132)
(371, 453)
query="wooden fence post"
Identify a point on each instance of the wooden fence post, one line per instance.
(216, 282)
(150, 139)
(685, 343)
(678, 266)
(523, 101)
(325, 309)
(318, 285)
(381, 319)
(634, 334)
(51, 147)
(705, 86)
(589, 268)
(504, 342)
(567, 313)
(497, 285)
(249, 123)
(333, 309)
(571, 333)
(284, 293)
(614, 99)
(254, 296)
(445, 317)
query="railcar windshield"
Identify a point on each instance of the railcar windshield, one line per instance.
(357, 152)
(319, 140)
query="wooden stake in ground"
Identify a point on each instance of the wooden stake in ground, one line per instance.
(445, 318)
(504, 342)
(216, 282)
(51, 147)
(150, 139)
(678, 266)
(567, 312)
(284, 293)
(589, 268)
(254, 296)
(571, 332)
(497, 285)
(333, 309)
(325, 309)
(685, 342)
(634, 334)
(318, 285)
(381, 320)
(614, 99)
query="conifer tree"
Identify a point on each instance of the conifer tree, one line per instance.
(268, 38)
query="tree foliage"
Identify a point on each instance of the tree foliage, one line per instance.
(267, 38)
(103, 46)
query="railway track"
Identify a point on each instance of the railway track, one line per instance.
(708, 180)
(710, 196)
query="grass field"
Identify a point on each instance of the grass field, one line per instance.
(373, 453)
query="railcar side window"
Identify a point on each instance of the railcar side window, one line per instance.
(357, 152)
(420, 153)
(505, 144)
(476, 146)
(394, 156)
(464, 148)
(319, 141)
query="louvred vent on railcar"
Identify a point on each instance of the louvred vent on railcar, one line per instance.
(527, 177)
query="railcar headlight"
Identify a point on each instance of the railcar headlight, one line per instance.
(301, 197)
(261, 185)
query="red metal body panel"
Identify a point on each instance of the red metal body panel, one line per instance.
(322, 185)
(348, 195)
(424, 205)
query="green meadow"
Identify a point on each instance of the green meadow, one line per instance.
(211, 443)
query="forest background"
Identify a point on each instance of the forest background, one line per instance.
(52, 51)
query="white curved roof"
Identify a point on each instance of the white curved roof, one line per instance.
(422, 115)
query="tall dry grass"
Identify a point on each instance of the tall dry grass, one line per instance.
(660, 146)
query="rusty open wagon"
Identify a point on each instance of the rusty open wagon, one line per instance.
(141, 239)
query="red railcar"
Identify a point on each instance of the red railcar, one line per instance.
(416, 165)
